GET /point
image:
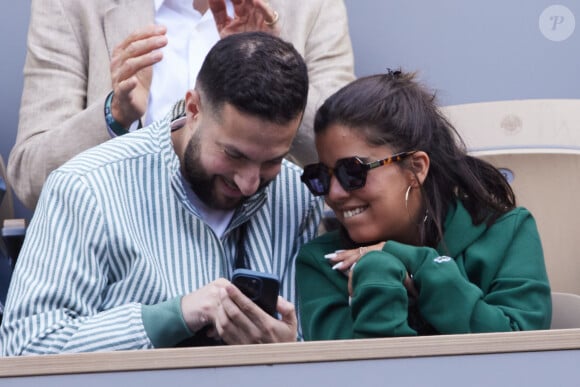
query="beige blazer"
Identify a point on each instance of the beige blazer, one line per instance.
(67, 77)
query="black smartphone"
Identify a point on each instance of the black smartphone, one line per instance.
(262, 288)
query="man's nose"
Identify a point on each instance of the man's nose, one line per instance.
(248, 180)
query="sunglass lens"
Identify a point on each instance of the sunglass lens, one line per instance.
(351, 173)
(316, 178)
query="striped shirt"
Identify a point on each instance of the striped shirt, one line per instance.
(114, 231)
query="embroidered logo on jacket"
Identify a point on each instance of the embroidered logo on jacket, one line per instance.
(442, 259)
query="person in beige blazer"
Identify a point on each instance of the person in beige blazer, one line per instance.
(68, 73)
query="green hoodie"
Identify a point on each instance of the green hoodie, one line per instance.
(495, 281)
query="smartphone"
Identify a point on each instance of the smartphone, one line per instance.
(262, 288)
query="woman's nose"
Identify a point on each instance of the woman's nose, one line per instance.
(336, 191)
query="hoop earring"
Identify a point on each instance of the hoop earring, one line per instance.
(407, 198)
(426, 217)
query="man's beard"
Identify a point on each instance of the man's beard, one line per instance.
(201, 182)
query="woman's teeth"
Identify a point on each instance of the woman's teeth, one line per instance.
(350, 213)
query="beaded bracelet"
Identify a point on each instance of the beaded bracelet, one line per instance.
(113, 125)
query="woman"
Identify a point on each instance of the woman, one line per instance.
(438, 242)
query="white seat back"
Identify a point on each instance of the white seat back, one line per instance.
(536, 144)
(565, 310)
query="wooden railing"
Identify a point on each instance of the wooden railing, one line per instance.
(328, 359)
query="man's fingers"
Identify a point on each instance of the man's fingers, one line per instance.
(138, 52)
(242, 7)
(133, 65)
(249, 15)
(287, 312)
(265, 10)
(220, 13)
(200, 307)
(143, 33)
(145, 46)
(242, 305)
(241, 321)
(138, 55)
(125, 87)
(235, 322)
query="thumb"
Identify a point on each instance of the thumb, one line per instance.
(287, 312)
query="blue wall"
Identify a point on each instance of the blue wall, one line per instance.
(13, 28)
(469, 51)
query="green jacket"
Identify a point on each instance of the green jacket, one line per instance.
(495, 281)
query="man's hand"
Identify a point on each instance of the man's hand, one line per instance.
(200, 308)
(131, 72)
(241, 321)
(250, 15)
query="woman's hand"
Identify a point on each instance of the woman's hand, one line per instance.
(345, 260)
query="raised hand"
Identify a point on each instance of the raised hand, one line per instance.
(250, 15)
(131, 72)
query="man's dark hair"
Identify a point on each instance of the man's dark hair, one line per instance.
(258, 74)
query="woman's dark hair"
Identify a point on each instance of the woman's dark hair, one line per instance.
(395, 109)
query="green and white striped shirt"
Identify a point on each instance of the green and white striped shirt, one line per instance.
(114, 231)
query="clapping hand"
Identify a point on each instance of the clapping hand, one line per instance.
(131, 72)
(250, 15)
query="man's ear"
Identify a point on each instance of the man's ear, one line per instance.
(419, 162)
(192, 104)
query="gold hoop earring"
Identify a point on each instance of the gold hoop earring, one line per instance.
(407, 198)
(407, 205)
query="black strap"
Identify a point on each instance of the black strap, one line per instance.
(241, 262)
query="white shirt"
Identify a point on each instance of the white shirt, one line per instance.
(218, 220)
(190, 36)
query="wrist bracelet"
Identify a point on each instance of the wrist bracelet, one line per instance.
(113, 125)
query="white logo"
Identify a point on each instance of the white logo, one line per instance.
(442, 259)
(557, 23)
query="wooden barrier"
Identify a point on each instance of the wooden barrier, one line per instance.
(534, 358)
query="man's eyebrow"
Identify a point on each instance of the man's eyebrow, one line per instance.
(232, 148)
(229, 148)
